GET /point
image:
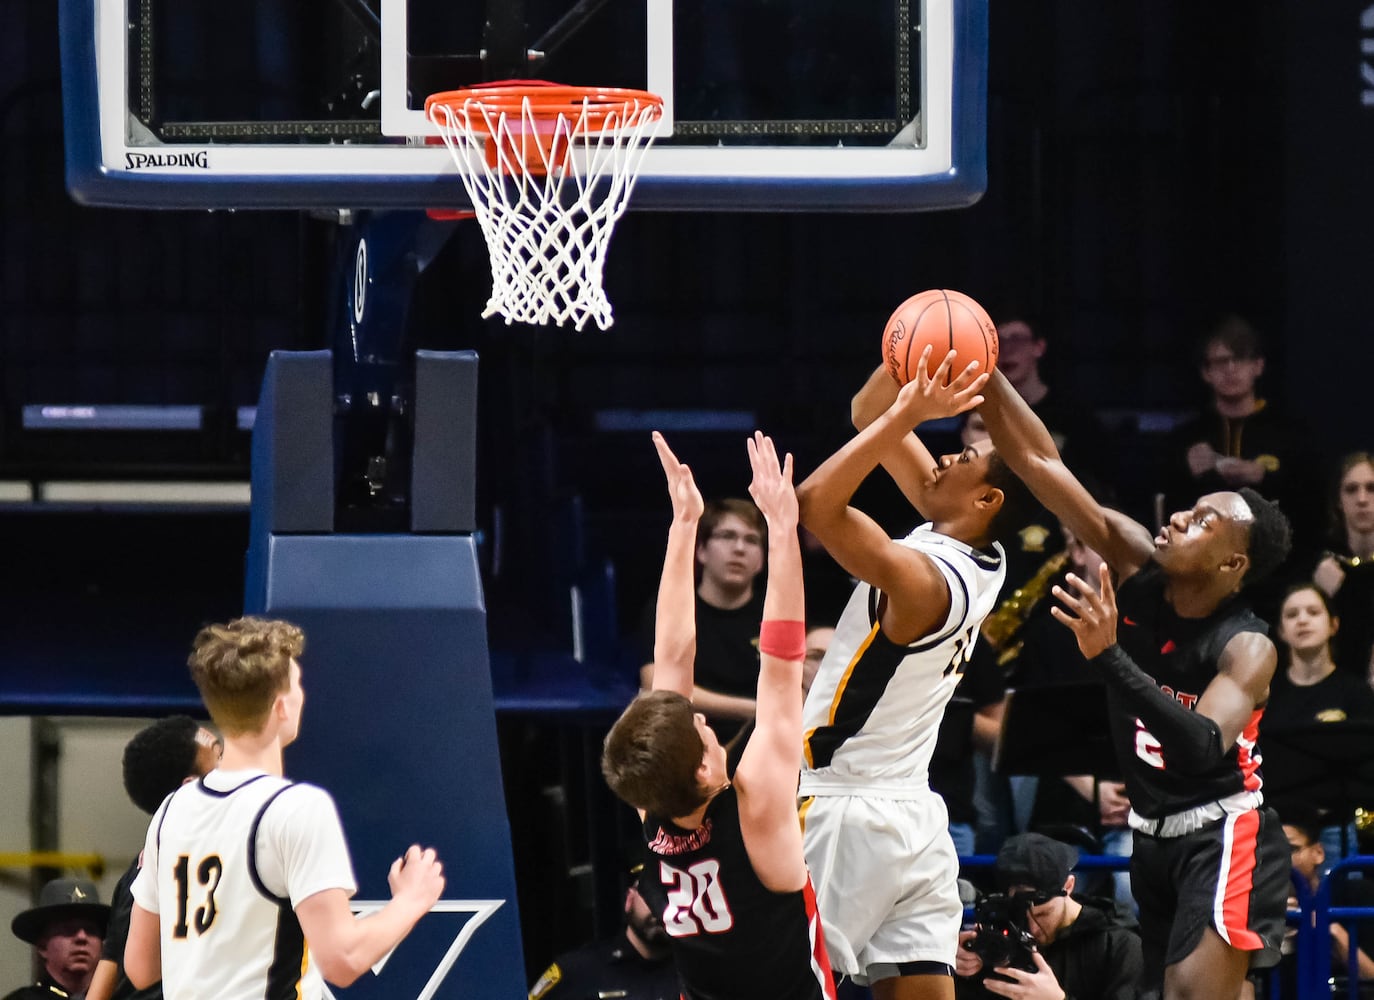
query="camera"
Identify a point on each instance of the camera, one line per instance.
(1000, 937)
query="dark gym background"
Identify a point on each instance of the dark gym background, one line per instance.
(1151, 166)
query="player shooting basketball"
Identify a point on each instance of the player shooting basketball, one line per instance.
(1187, 667)
(739, 905)
(877, 837)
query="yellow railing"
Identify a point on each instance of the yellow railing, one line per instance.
(93, 863)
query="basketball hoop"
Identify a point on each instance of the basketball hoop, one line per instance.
(549, 170)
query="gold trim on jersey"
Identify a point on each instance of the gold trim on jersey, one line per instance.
(839, 692)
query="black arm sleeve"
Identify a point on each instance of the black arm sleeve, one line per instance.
(1191, 742)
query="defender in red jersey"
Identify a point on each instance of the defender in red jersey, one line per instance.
(1188, 668)
(727, 852)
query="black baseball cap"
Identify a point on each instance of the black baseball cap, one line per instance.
(1033, 859)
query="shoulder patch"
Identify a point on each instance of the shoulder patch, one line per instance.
(552, 976)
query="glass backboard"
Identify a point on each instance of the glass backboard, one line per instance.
(812, 104)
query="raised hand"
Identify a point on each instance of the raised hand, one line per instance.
(927, 397)
(772, 486)
(682, 488)
(1095, 624)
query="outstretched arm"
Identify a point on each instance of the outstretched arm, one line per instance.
(767, 772)
(1025, 445)
(675, 623)
(916, 590)
(1191, 740)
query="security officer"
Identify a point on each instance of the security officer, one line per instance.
(633, 965)
(66, 928)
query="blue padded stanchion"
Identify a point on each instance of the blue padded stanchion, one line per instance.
(399, 726)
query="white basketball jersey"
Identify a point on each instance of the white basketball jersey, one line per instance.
(874, 709)
(226, 860)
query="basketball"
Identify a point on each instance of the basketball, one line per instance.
(946, 320)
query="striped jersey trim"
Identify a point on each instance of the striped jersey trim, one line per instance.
(856, 696)
(1231, 905)
(820, 958)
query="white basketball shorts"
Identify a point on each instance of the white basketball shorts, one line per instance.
(886, 876)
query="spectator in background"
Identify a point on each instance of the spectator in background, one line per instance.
(1302, 734)
(66, 929)
(1241, 439)
(1345, 572)
(1083, 947)
(157, 761)
(636, 964)
(1309, 862)
(730, 552)
(1080, 436)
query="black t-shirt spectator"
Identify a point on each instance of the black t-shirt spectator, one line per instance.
(1306, 740)
(727, 651)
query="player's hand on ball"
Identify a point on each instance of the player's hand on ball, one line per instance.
(930, 398)
(1093, 621)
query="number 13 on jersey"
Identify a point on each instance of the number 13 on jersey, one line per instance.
(207, 877)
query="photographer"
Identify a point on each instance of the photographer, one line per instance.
(1037, 941)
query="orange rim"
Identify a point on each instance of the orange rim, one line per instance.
(546, 100)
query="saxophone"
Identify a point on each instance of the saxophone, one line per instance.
(1000, 627)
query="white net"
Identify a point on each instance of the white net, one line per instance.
(547, 189)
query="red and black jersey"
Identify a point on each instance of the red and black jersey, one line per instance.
(733, 938)
(1181, 655)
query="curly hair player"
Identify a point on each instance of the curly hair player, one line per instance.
(1188, 667)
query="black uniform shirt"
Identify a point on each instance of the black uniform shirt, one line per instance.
(1181, 655)
(608, 969)
(733, 937)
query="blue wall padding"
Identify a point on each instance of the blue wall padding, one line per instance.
(399, 726)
